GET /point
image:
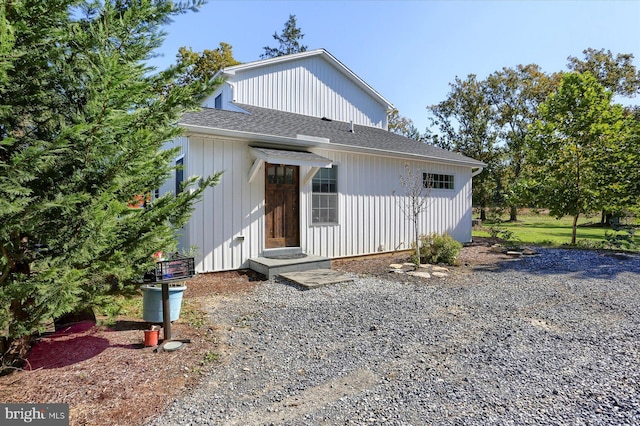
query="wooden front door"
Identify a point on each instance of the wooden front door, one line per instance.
(282, 212)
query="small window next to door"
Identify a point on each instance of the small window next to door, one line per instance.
(324, 196)
(179, 175)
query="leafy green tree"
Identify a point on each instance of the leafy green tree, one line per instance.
(617, 74)
(403, 126)
(619, 174)
(499, 111)
(289, 41)
(464, 122)
(515, 95)
(82, 128)
(578, 163)
(632, 151)
(203, 66)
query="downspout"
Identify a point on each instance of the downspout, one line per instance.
(477, 172)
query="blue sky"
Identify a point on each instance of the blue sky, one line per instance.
(410, 51)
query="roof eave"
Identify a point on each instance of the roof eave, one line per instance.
(300, 140)
(409, 156)
(318, 142)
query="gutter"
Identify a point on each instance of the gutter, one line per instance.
(405, 155)
(477, 171)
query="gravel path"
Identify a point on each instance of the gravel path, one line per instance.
(550, 339)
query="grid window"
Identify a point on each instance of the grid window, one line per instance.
(280, 174)
(437, 181)
(324, 200)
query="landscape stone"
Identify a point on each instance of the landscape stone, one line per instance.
(440, 274)
(440, 269)
(395, 265)
(419, 274)
(514, 253)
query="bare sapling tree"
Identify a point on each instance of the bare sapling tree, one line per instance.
(417, 190)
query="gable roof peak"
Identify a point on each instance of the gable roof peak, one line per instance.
(323, 53)
(229, 71)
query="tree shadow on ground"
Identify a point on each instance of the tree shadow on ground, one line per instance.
(76, 343)
(577, 263)
(61, 351)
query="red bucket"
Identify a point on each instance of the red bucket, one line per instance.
(151, 337)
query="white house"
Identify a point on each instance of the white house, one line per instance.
(309, 164)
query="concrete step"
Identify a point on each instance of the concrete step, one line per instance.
(271, 267)
(281, 252)
(308, 280)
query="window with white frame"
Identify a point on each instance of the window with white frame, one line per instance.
(437, 181)
(324, 208)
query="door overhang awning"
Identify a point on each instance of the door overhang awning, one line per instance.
(290, 158)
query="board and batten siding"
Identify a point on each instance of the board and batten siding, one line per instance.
(227, 225)
(370, 217)
(308, 86)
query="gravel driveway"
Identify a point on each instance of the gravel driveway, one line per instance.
(550, 339)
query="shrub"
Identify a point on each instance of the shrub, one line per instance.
(437, 248)
(621, 238)
(590, 244)
(507, 235)
(495, 231)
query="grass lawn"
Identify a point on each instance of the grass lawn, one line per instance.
(540, 228)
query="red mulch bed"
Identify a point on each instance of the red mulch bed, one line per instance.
(108, 377)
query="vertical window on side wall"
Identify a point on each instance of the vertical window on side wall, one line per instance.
(324, 204)
(217, 103)
(179, 175)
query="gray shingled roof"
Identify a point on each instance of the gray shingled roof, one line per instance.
(278, 123)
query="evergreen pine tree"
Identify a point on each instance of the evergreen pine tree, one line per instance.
(83, 122)
(289, 41)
